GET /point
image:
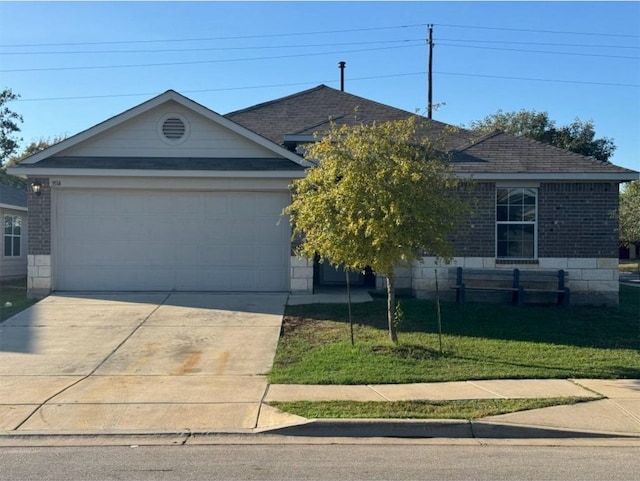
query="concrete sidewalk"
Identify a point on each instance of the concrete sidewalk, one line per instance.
(616, 415)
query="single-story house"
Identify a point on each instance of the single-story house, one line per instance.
(13, 212)
(170, 195)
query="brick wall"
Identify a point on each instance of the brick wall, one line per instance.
(578, 220)
(476, 235)
(575, 219)
(39, 219)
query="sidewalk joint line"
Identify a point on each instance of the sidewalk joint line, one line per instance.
(487, 390)
(371, 386)
(86, 376)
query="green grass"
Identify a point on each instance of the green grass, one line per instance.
(481, 341)
(14, 292)
(459, 409)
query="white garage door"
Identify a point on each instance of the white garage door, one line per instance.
(187, 241)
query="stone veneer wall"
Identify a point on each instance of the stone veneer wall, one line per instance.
(301, 275)
(39, 248)
(591, 280)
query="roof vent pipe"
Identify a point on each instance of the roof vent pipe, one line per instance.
(341, 66)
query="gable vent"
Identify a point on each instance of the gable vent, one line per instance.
(173, 128)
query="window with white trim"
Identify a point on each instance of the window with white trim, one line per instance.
(12, 235)
(516, 229)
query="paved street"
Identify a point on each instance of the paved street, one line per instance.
(311, 461)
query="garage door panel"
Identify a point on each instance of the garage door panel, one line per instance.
(152, 240)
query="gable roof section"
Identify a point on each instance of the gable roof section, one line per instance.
(511, 156)
(305, 113)
(170, 95)
(12, 198)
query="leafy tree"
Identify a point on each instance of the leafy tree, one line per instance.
(33, 148)
(578, 136)
(379, 195)
(8, 125)
(630, 213)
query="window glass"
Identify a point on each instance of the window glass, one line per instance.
(12, 235)
(516, 223)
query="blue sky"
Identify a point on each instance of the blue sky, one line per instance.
(572, 59)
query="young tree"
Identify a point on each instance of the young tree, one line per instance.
(578, 136)
(630, 213)
(379, 195)
(8, 126)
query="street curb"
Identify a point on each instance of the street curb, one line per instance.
(434, 429)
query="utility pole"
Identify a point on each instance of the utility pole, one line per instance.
(430, 74)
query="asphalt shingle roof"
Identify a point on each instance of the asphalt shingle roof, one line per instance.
(12, 196)
(500, 152)
(311, 111)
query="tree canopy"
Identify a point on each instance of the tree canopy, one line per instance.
(9, 127)
(33, 148)
(630, 213)
(578, 136)
(379, 195)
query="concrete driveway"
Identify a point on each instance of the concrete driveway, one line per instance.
(129, 362)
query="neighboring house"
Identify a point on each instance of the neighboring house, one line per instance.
(13, 245)
(170, 195)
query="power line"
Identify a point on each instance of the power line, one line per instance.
(540, 31)
(222, 89)
(195, 62)
(541, 51)
(540, 79)
(262, 47)
(239, 37)
(323, 32)
(539, 43)
(374, 77)
(209, 49)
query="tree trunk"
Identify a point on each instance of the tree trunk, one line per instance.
(391, 309)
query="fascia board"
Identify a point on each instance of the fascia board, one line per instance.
(13, 207)
(44, 172)
(586, 176)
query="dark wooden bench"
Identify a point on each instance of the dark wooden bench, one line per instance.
(555, 282)
(485, 280)
(517, 282)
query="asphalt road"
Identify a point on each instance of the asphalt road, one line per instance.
(343, 462)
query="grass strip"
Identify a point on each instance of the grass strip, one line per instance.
(454, 409)
(15, 294)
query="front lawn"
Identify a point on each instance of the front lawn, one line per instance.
(481, 341)
(14, 293)
(458, 409)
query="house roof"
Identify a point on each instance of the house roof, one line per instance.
(502, 153)
(312, 111)
(10, 197)
(496, 156)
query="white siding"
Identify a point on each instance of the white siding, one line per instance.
(139, 138)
